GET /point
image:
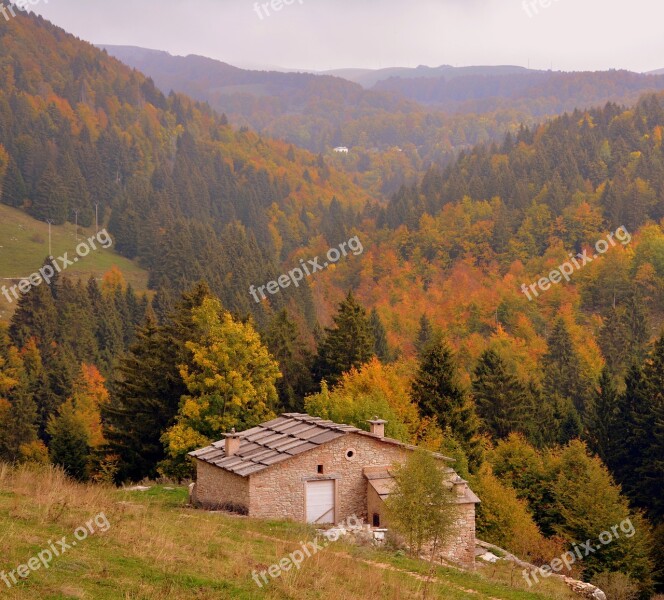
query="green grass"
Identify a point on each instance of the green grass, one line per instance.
(158, 547)
(24, 246)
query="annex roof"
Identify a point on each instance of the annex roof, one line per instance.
(383, 483)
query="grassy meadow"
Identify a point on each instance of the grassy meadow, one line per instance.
(158, 547)
(24, 246)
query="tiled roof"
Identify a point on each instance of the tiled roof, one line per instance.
(278, 440)
(273, 442)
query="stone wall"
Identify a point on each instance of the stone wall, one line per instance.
(461, 547)
(216, 488)
(279, 492)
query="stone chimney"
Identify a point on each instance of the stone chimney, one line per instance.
(460, 486)
(377, 426)
(233, 441)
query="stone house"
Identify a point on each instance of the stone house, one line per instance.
(311, 470)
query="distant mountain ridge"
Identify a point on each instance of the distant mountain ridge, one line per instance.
(432, 110)
(202, 73)
(368, 78)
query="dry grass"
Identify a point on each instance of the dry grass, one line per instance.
(157, 547)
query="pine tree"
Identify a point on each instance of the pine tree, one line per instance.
(147, 388)
(75, 324)
(69, 447)
(348, 344)
(645, 436)
(108, 326)
(50, 199)
(144, 401)
(438, 393)
(18, 419)
(425, 334)
(381, 347)
(500, 397)
(603, 417)
(627, 455)
(35, 316)
(563, 375)
(638, 330)
(613, 341)
(283, 340)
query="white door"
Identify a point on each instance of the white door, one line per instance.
(320, 501)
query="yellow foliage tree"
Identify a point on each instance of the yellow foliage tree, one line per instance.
(231, 383)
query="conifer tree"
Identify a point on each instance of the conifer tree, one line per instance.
(35, 316)
(613, 340)
(381, 347)
(147, 388)
(563, 376)
(75, 324)
(500, 397)
(283, 340)
(642, 462)
(347, 344)
(69, 447)
(50, 198)
(626, 456)
(425, 334)
(603, 417)
(144, 401)
(108, 326)
(18, 417)
(438, 393)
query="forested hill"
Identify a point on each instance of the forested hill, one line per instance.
(429, 114)
(182, 192)
(504, 215)
(537, 93)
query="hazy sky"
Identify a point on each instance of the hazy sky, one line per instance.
(328, 34)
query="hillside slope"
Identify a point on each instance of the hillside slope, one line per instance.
(24, 247)
(151, 545)
(183, 193)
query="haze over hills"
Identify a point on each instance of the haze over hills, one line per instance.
(368, 78)
(429, 113)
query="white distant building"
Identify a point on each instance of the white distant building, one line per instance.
(341, 149)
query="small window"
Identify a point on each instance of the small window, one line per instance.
(376, 520)
(320, 469)
(350, 454)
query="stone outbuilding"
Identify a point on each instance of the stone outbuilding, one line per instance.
(302, 468)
